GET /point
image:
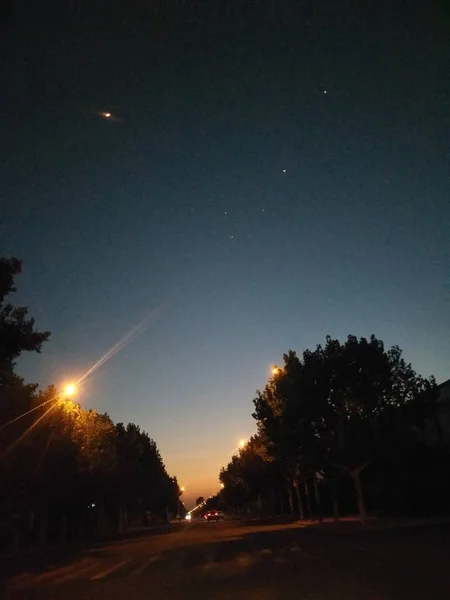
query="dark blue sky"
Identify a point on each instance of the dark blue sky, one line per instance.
(181, 205)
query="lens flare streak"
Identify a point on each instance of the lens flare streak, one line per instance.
(27, 431)
(120, 345)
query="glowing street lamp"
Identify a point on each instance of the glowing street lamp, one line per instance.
(70, 390)
(242, 444)
(182, 488)
(276, 370)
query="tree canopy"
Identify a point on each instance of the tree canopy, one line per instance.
(324, 419)
(17, 331)
(67, 471)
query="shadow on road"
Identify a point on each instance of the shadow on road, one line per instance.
(278, 562)
(38, 559)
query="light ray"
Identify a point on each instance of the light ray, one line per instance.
(135, 332)
(27, 431)
(29, 411)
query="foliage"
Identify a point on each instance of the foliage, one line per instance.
(17, 331)
(337, 411)
(67, 471)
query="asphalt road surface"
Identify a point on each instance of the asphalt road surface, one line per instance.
(230, 560)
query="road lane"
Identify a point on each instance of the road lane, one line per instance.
(229, 560)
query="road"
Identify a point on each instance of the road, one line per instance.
(272, 562)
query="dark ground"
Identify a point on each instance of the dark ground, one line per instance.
(230, 560)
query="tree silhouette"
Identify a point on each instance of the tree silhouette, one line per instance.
(331, 414)
(17, 331)
(66, 471)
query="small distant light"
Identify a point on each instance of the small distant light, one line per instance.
(93, 505)
(284, 170)
(324, 91)
(107, 115)
(188, 517)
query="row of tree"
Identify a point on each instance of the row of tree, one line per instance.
(67, 472)
(345, 425)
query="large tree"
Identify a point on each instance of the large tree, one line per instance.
(339, 409)
(63, 467)
(252, 478)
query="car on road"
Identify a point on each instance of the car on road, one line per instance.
(214, 515)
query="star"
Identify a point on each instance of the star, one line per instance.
(284, 170)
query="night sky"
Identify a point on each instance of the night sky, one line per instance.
(268, 178)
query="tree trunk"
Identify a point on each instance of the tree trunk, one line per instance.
(335, 494)
(437, 424)
(121, 519)
(260, 509)
(317, 497)
(301, 510)
(281, 502)
(102, 525)
(81, 526)
(290, 500)
(16, 540)
(43, 521)
(308, 501)
(356, 476)
(273, 503)
(31, 517)
(63, 529)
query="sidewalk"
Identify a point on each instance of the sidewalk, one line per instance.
(349, 524)
(37, 554)
(353, 524)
